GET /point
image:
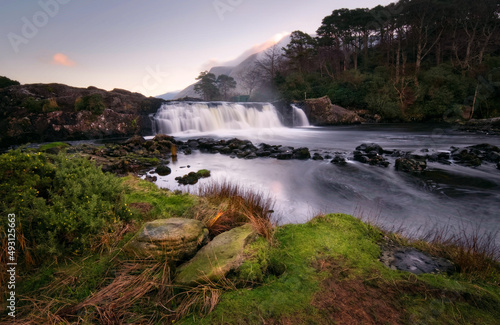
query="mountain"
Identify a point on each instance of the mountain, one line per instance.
(169, 96)
(236, 71)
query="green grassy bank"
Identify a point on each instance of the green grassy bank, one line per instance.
(72, 221)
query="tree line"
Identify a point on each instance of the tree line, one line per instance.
(410, 60)
(413, 60)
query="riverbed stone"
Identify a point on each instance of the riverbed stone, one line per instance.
(223, 254)
(414, 261)
(175, 239)
(411, 165)
(301, 153)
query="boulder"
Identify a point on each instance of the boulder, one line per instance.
(321, 111)
(410, 165)
(175, 239)
(339, 160)
(301, 153)
(136, 140)
(163, 170)
(223, 254)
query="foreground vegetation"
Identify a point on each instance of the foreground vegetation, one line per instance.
(73, 221)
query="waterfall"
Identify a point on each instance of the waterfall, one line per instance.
(186, 117)
(299, 117)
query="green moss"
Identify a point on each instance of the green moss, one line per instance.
(203, 173)
(355, 244)
(58, 145)
(163, 202)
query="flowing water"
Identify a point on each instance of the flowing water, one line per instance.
(445, 195)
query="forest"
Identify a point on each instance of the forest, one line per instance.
(413, 60)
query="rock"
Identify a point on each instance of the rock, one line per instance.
(317, 156)
(252, 155)
(163, 170)
(368, 147)
(188, 179)
(151, 179)
(192, 178)
(321, 111)
(175, 239)
(301, 153)
(339, 160)
(412, 260)
(410, 165)
(223, 254)
(287, 155)
(136, 140)
(466, 157)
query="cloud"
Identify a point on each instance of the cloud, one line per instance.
(62, 59)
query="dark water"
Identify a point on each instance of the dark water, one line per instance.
(445, 195)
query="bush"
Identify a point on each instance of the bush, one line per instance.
(93, 103)
(6, 82)
(50, 105)
(61, 204)
(33, 105)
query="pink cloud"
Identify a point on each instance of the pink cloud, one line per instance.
(62, 59)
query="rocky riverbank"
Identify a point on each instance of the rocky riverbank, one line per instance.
(55, 112)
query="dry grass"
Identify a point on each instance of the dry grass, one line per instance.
(229, 205)
(203, 298)
(475, 253)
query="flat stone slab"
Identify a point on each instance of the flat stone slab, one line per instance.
(223, 254)
(175, 239)
(415, 261)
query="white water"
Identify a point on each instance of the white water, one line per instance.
(299, 117)
(200, 117)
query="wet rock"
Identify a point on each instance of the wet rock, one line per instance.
(222, 255)
(175, 239)
(163, 170)
(415, 261)
(410, 165)
(251, 156)
(263, 153)
(317, 156)
(136, 140)
(192, 177)
(285, 155)
(339, 160)
(367, 147)
(466, 157)
(188, 179)
(150, 178)
(441, 157)
(301, 153)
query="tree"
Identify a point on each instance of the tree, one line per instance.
(300, 51)
(207, 86)
(251, 79)
(224, 84)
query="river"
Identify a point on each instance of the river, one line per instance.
(453, 196)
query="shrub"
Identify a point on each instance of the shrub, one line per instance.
(93, 103)
(61, 204)
(6, 82)
(33, 105)
(50, 105)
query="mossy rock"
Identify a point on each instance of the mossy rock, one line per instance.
(223, 254)
(163, 170)
(175, 239)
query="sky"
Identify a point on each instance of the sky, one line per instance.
(148, 46)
